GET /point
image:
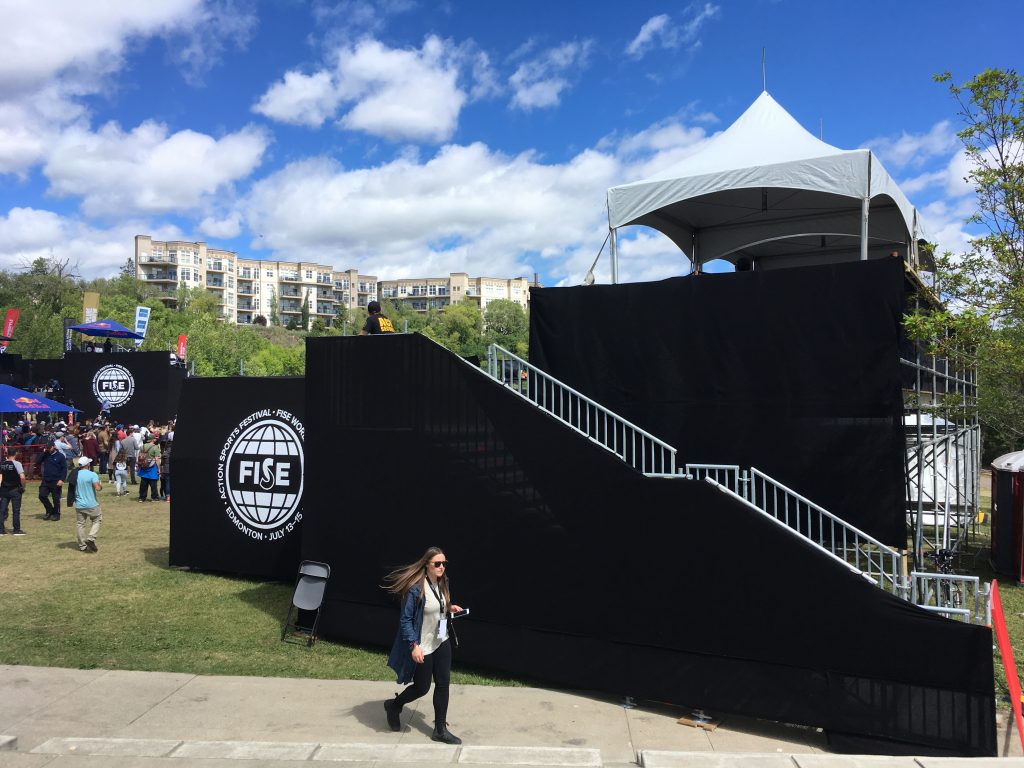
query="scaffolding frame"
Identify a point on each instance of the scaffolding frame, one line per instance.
(943, 454)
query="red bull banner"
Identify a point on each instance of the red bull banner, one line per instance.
(10, 320)
(30, 404)
(182, 343)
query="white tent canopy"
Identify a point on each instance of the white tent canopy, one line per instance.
(765, 193)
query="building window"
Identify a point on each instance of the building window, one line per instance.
(309, 274)
(270, 273)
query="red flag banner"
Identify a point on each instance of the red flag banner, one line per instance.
(182, 343)
(1006, 651)
(10, 320)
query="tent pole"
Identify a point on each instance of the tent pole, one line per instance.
(865, 206)
(613, 243)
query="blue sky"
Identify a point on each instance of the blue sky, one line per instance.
(413, 139)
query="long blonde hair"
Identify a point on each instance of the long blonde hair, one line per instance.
(405, 577)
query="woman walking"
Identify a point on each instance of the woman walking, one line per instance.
(421, 650)
(119, 466)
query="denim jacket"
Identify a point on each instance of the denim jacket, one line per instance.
(410, 625)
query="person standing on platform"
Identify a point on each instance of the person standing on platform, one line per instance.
(376, 322)
(421, 650)
(87, 508)
(12, 486)
(149, 469)
(53, 471)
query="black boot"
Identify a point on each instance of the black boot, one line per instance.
(441, 733)
(394, 709)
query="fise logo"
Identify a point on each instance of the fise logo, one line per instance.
(260, 474)
(114, 383)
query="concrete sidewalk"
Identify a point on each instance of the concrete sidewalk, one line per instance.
(72, 717)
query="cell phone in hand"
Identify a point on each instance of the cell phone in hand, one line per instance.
(460, 614)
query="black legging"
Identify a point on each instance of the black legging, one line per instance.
(439, 666)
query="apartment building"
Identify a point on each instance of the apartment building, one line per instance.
(422, 294)
(246, 288)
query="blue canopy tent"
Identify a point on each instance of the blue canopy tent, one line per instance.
(14, 399)
(109, 328)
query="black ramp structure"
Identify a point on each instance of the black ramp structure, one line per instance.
(794, 371)
(581, 572)
(139, 385)
(237, 476)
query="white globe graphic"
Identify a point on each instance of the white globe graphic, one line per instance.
(113, 383)
(252, 485)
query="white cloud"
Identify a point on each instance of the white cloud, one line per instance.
(401, 94)
(57, 52)
(42, 38)
(467, 208)
(300, 99)
(398, 94)
(540, 82)
(645, 39)
(225, 229)
(148, 169)
(201, 43)
(27, 234)
(914, 149)
(662, 32)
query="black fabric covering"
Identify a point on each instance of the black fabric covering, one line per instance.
(794, 371)
(203, 535)
(580, 572)
(157, 384)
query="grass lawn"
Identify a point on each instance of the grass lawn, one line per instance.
(124, 608)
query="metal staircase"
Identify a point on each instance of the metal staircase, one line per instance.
(957, 597)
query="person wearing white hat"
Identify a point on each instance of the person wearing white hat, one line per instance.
(86, 505)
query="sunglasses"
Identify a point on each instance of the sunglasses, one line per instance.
(440, 563)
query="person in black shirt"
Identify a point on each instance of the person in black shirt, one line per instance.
(376, 322)
(12, 485)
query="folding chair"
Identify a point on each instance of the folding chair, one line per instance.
(309, 596)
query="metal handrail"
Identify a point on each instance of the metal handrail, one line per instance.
(937, 592)
(728, 475)
(635, 446)
(866, 554)
(824, 550)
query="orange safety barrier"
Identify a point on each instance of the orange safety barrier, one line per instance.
(1009, 665)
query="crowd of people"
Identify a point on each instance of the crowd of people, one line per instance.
(69, 461)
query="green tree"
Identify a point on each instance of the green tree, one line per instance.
(982, 323)
(275, 318)
(460, 328)
(304, 310)
(506, 324)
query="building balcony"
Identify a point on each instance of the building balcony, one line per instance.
(160, 277)
(325, 296)
(215, 266)
(290, 292)
(247, 305)
(246, 290)
(289, 278)
(151, 259)
(218, 284)
(245, 318)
